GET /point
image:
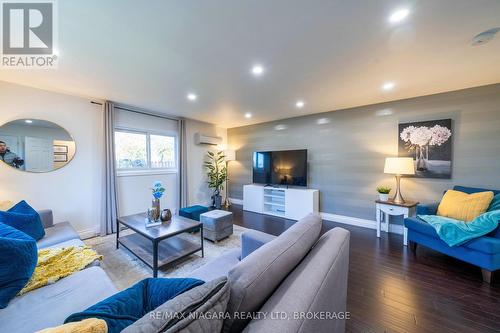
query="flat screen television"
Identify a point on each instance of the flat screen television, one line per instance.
(284, 167)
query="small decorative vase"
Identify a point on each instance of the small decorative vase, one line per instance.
(156, 209)
(166, 215)
(383, 196)
(218, 201)
(421, 161)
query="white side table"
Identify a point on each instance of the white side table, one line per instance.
(390, 208)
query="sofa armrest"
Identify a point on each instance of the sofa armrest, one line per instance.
(251, 240)
(427, 209)
(46, 217)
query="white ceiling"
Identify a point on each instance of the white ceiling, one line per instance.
(331, 53)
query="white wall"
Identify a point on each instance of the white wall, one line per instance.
(72, 192)
(198, 191)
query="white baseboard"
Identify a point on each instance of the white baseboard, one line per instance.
(88, 233)
(236, 201)
(370, 224)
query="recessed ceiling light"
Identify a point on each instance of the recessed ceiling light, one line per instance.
(28, 121)
(248, 115)
(300, 104)
(388, 86)
(192, 97)
(399, 15)
(257, 70)
(280, 127)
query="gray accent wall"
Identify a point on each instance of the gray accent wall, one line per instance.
(347, 148)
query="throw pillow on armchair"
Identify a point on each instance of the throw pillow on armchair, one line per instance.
(462, 206)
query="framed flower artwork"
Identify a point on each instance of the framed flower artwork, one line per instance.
(429, 143)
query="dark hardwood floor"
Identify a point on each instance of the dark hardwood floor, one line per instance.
(393, 290)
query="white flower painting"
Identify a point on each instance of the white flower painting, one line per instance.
(429, 143)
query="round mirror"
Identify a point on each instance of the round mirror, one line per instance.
(35, 145)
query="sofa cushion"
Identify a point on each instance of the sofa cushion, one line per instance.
(255, 278)
(50, 305)
(317, 285)
(194, 311)
(18, 258)
(218, 267)
(24, 218)
(462, 206)
(128, 306)
(59, 233)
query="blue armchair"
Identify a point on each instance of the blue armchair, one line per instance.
(483, 251)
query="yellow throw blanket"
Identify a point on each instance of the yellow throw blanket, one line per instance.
(92, 325)
(55, 264)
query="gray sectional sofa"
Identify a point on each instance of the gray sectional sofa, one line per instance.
(51, 305)
(298, 275)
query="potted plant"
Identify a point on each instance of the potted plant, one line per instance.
(216, 174)
(383, 192)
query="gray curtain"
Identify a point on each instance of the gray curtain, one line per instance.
(183, 186)
(108, 224)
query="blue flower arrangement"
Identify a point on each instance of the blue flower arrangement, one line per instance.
(158, 190)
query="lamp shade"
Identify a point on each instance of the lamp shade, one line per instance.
(399, 166)
(229, 155)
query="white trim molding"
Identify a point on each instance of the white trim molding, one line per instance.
(88, 233)
(236, 201)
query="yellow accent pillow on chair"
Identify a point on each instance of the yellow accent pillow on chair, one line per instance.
(464, 207)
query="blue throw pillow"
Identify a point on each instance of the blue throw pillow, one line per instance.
(495, 203)
(128, 306)
(24, 218)
(18, 258)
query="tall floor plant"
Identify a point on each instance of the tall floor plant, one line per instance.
(216, 174)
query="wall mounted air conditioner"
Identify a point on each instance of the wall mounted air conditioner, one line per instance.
(201, 139)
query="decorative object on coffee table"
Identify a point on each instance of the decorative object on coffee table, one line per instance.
(166, 215)
(166, 245)
(155, 212)
(216, 173)
(229, 155)
(218, 224)
(383, 192)
(399, 166)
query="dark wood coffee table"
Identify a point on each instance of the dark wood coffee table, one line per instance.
(160, 245)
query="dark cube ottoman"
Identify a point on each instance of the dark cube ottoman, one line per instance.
(193, 212)
(217, 224)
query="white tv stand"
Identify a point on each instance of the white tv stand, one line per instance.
(290, 203)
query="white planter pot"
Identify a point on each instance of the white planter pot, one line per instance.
(383, 197)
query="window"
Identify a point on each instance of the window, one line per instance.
(143, 151)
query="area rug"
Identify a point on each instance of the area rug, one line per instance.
(125, 269)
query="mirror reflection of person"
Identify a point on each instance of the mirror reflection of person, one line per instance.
(9, 157)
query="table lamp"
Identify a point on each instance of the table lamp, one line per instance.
(229, 155)
(399, 166)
